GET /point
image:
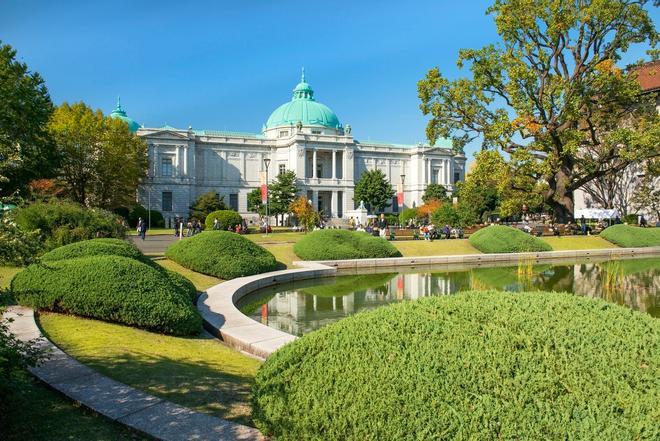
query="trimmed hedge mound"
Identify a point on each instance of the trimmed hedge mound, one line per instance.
(630, 237)
(113, 288)
(221, 254)
(343, 244)
(226, 218)
(94, 247)
(477, 365)
(503, 239)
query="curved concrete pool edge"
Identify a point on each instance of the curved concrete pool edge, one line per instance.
(224, 320)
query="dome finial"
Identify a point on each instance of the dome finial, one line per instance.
(118, 102)
(302, 78)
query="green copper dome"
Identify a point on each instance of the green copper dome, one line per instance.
(303, 108)
(133, 126)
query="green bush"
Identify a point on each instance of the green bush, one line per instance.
(113, 288)
(477, 365)
(62, 222)
(17, 247)
(94, 247)
(407, 214)
(343, 244)
(445, 214)
(226, 218)
(221, 254)
(629, 236)
(139, 211)
(630, 219)
(503, 239)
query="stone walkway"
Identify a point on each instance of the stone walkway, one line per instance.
(143, 412)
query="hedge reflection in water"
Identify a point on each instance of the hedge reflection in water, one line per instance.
(312, 304)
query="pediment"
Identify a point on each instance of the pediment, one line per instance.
(166, 134)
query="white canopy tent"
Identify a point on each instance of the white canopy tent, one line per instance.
(596, 213)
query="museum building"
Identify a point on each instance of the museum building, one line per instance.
(301, 135)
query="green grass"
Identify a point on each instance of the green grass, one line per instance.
(275, 237)
(577, 243)
(201, 281)
(6, 274)
(39, 413)
(412, 248)
(631, 236)
(283, 253)
(200, 373)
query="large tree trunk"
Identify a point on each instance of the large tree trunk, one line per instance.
(559, 196)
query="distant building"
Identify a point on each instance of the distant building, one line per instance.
(301, 135)
(648, 76)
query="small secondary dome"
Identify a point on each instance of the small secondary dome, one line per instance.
(133, 126)
(304, 109)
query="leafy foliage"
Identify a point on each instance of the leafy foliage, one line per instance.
(94, 247)
(206, 204)
(254, 202)
(60, 223)
(446, 214)
(407, 214)
(436, 192)
(629, 236)
(476, 365)
(374, 189)
(102, 161)
(282, 193)
(549, 93)
(307, 216)
(113, 288)
(26, 151)
(226, 218)
(503, 239)
(343, 244)
(138, 211)
(221, 254)
(17, 247)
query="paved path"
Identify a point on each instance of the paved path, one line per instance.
(143, 412)
(153, 244)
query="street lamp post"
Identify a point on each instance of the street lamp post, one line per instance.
(267, 163)
(401, 199)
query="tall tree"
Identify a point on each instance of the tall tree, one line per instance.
(549, 93)
(102, 162)
(282, 193)
(374, 190)
(435, 191)
(254, 203)
(26, 152)
(206, 204)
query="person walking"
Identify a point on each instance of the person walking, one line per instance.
(583, 225)
(141, 228)
(382, 226)
(216, 224)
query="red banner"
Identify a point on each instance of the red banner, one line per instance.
(264, 188)
(399, 199)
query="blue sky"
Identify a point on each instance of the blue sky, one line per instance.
(226, 65)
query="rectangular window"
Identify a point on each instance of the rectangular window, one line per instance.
(167, 201)
(395, 204)
(284, 133)
(319, 170)
(282, 169)
(316, 132)
(457, 177)
(166, 168)
(233, 201)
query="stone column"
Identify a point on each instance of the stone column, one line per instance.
(333, 204)
(314, 163)
(177, 162)
(428, 171)
(334, 164)
(447, 173)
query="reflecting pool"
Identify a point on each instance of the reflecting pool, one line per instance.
(304, 306)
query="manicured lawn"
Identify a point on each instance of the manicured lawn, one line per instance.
(201, 281)
(577, 243)
(411, 248)
(6, 274)
(283, 252)
(200, 373)
(39, 413)
(275, 237)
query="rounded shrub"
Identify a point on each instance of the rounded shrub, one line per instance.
(226, 218)
(114, 288)
(94, 247)
(343, 244)
(503, 239)
(221, 254)
(629, 236)
(138, 211)
(477, 365)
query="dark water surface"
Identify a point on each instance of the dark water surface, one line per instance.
(308, 305)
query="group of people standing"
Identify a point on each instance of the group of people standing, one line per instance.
(190, 228)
